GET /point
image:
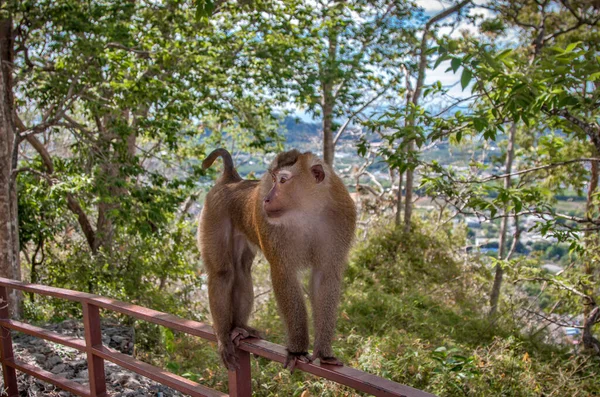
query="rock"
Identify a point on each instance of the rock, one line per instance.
(132, 384)
(120, 378)
(53, 360)
(39, 358)
(118, 338)
(58, 368)
(79, 364)
(72, 364)
(67, 374)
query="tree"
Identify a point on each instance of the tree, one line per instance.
(401, 136)
(9, 233)
(116, 101)
(548, 85)
(349, 60)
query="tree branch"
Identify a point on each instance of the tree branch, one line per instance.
(551, 320)
(587, 298)
(72, 202)
(590, 129)
(141, 53)
(363, 107)
(423, 52)
(527, 171)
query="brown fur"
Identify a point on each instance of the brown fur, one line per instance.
(310, 223)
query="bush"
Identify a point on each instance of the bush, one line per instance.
(157, 271)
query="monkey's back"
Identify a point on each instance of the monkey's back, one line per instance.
(224, 215)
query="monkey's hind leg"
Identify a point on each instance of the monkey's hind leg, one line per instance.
(243, 292)
(220, 285)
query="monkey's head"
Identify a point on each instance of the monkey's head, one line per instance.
(295, 181)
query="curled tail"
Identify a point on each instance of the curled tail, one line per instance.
(229, 172)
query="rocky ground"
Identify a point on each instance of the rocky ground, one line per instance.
(72, 364)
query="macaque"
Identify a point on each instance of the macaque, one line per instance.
(300, 215)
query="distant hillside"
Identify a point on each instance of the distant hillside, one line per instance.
(297, 130)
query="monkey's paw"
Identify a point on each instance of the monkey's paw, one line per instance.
(329, 360)
(294, 357)
(227, 351)
(239, 333)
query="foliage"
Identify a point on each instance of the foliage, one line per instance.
(158, 271)
(356, 56)
(116, 103)
(431, 334)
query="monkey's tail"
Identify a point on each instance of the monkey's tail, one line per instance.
(229, 171)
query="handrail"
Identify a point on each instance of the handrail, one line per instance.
(239, 381)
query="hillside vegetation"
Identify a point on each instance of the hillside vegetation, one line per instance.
(467, 132)
(413, 310)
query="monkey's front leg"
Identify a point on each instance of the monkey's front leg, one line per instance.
(325, 296)
(290, 300)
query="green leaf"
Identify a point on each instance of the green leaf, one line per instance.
(568, 101)
(572, 46)
(455, 64)
(465, 79)
(480, 124)
(504, 54)
(361, 148)
(594, 76)
(204, 9)
(490, 133)
(518, 204)
(440, 59)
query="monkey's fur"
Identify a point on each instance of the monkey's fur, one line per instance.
(299, 215)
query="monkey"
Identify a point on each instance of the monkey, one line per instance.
(300, 215)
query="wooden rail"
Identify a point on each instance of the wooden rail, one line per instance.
(239, 381)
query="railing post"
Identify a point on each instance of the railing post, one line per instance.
(6, 350)
(93, 337)
(240, 381)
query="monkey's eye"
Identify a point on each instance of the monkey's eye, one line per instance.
(282, 179)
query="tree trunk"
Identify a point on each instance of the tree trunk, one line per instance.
(116, 151)
(328, 100)
(399, 202)
(415, 96)
(591, 237)
(408, 205)
(495, 294)
(328, 147)
(10, 266)
(590, 343)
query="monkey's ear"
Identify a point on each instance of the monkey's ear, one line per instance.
(318, 172)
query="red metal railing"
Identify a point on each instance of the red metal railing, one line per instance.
(239, 381)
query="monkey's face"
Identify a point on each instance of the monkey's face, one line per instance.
(279, 198)
(294, 191)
